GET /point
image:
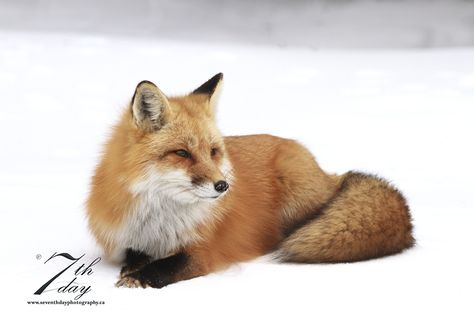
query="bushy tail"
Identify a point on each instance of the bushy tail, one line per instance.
(366, 218)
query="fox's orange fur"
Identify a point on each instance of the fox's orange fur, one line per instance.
(278, 198)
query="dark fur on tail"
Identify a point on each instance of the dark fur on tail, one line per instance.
(366, 218)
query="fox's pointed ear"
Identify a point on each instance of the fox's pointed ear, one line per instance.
(149, 106)
(211, 88)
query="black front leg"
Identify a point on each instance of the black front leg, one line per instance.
(158, 273)
(134, 260)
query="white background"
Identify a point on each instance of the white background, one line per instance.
(402, 112)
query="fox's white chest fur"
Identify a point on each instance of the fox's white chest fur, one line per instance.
(160, 222)
(160, 226)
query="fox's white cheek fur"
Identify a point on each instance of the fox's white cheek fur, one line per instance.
(164, 216)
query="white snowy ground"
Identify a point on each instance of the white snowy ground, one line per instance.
(406, 115)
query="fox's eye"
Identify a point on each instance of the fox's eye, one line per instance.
(183, 153)
(213, 151)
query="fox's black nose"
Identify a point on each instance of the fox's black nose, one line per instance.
(221, 186)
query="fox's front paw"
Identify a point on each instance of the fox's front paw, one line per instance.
(131, 281)
(156, 274)
(144, 278)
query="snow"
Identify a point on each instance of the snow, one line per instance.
(319, 24)
(404, 114)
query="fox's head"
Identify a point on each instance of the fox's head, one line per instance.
(175, 148)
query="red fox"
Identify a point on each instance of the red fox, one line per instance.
(173, 199)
